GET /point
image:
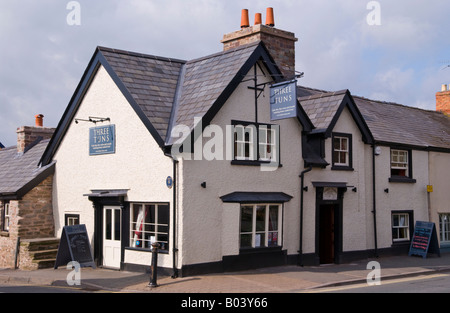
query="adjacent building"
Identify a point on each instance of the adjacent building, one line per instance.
(228, 163)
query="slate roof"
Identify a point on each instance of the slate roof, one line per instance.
(322, 107)
(395, 123)
(19, 172)
(389, 123)
(151, 80)
(206, 78)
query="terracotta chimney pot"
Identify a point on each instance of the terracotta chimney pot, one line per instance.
(244, 19)
(39, 120)
(270, 21)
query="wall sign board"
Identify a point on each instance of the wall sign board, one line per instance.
(74, 246)
(102, 140)
(283, 100)
(424, 240)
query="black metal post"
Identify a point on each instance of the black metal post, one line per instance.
(154, 266)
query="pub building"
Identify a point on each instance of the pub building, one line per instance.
(229, 163)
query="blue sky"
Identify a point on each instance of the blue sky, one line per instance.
(43, 57)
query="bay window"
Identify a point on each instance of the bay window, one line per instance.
(260, 225)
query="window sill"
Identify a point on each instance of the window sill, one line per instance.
(146, 250)
(342, 168)
(4, 233)
(259, 250)
(401, 179)
(252, 163)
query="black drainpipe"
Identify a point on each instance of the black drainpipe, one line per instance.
(374, 202)
(300, 251)
(174, 215)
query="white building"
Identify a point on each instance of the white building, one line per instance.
(187, 154)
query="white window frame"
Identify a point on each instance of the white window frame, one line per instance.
(444, 228)
(399, 227)
(241, 144)
(267, 143)
(254, 232)
(337, 161)
(7, 216)
(397, 163)
(145, 238)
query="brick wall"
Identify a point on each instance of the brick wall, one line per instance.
(28, 134)
(280, 43)
(443, 102)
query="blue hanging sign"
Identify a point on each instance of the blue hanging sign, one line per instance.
(102, 140)
(283, 100)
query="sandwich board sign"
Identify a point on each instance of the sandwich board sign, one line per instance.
(74, 246)
(424, 240)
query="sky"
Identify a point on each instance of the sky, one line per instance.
(396, 51)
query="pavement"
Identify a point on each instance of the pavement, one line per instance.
(282, 279)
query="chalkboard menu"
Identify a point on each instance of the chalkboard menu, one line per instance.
(74, 246)
(424, 240)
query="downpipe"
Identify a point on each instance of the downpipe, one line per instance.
(302, 182)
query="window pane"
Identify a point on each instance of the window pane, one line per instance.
(246, 240)
(117, 224)
(273, 217)
(108, 224)
(163, 214)
(336, 144)
(273, 239)
(259, 240)
(344, 144)
(246, 219)
(260, 218)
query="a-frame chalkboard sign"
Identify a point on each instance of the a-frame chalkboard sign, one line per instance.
(74, 246)
(424, 240)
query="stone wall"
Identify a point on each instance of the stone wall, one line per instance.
(30, 218)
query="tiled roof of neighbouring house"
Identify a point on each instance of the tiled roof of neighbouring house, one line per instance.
(19, 172)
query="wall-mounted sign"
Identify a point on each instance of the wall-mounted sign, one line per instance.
(330, 193)
(102, 140)
(283, 100)
(169, 182)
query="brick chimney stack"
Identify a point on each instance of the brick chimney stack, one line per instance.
(443, 100)
(280, 43)
(27, 135)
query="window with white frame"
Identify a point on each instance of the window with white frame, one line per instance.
(400, 227)
(342, 151)
(444, 228)
(266, 143)
(6, 216)
(149, 223)
(255, 142)
(399, 163)
(244, 148)
(260, 225)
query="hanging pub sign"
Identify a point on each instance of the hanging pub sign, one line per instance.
(102, 140)
(283, 100)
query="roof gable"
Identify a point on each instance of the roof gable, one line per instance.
(166, 92)
(325, 108)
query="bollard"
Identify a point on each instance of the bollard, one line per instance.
(154, 267)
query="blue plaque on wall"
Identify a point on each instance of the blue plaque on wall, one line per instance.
(102, 140)
(283, 100)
